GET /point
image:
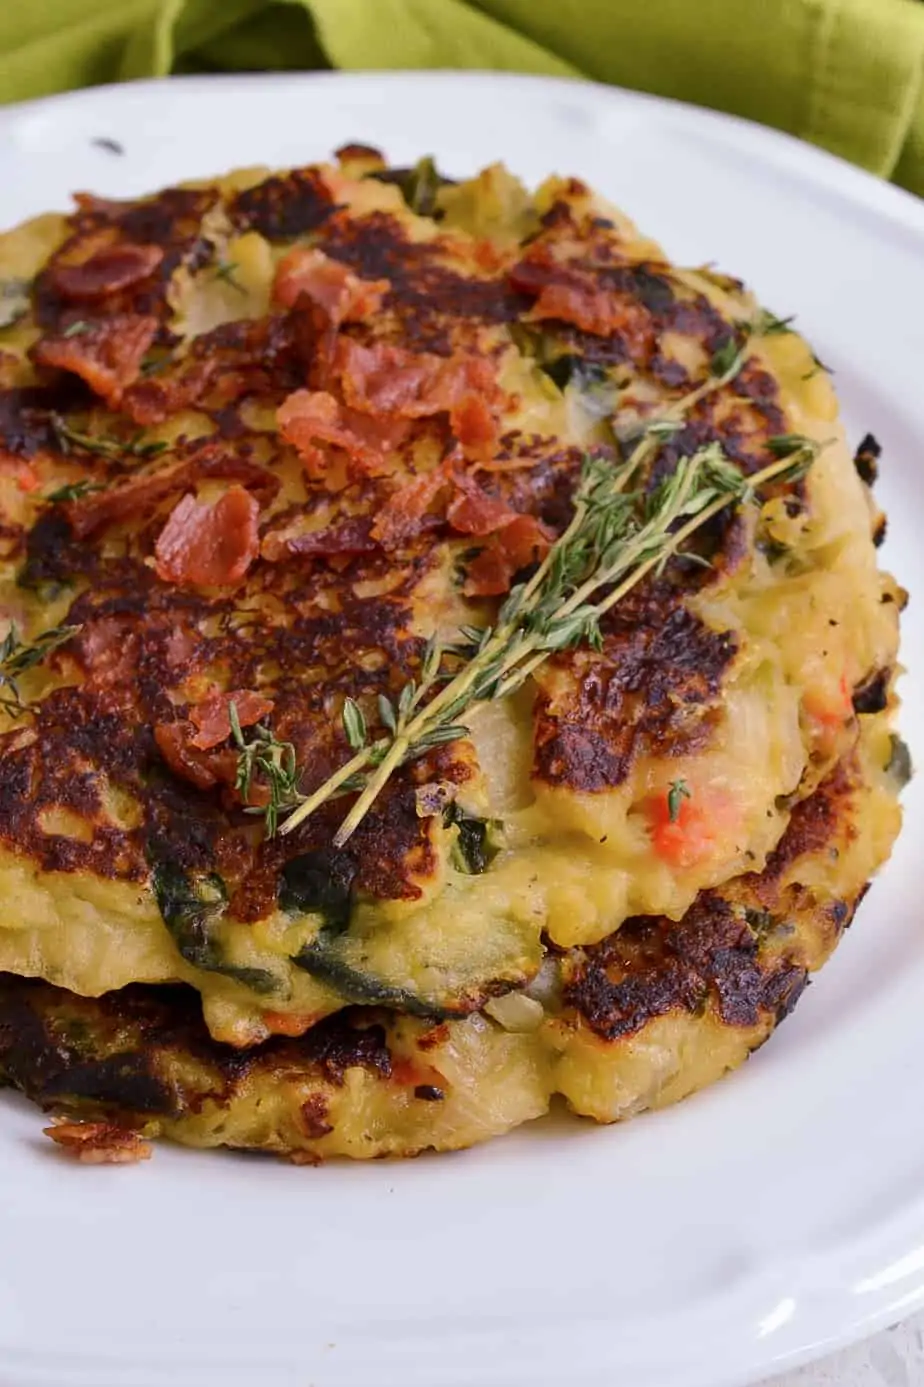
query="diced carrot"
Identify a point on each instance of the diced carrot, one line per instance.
(686, 829)
(292, 1024)
(26, 479)
(829, 707)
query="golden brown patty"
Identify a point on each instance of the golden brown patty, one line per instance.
(650, 1014)
(260, 441)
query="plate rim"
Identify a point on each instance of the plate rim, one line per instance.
(887, 202)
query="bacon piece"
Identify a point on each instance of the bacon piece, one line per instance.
(26, 479)
(404, 514)
(571, 294)
(343, 296)
(141, 495)
(148, 402)
(475, 427)
(209, 545)
(308, 417)
(247, 355)
(473, 512)
(353, 536)
(382, 379)
(524, 541)
(107, 354)
(213, 720)
(203, 769)
(599, 311)
(108, 649)
(108, 270)
(99, 1143)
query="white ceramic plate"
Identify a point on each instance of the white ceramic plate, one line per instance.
(764, 1221)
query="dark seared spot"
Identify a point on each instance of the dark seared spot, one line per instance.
(314, 1117)
(121, 1081)
(652, 690)
(872, 696)
(427, 293)
(146, 1050)
(284, 206)
(653, 966)
(429, 1093)
(341, 1043)
(866, 459)
(25, 415)
(579, 757)
(814, 823)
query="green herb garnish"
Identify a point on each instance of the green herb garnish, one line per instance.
(17, 656)
(615, 539)
(767, 324)
(678, 792)
(724, 358)
(225, 270)
(354, 724)
(274, 761)
(74, 490)
(104, 445)
(14, 300)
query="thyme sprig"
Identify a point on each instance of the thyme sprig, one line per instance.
(226, 271)
(274, 760)
(17, 656)
(614, 540)
(104, 445)
(73, 491)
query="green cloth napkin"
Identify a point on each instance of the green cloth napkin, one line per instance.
(845, 74)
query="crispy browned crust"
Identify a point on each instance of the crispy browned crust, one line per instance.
(745, 950)
(739, 960)
(113, 1053)
(654, 688)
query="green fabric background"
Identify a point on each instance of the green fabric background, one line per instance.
(846, 74)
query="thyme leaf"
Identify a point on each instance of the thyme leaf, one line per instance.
(678, 792)
(14, 300)
(226, 270)
(104, 445)
(74, 490)
(17, 656)
(274, 761)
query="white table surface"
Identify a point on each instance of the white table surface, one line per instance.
(894, 1358)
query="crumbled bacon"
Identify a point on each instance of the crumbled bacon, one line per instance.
(309, 417)
(209, 545)
(473, 512)
(352, 536)
(600, 311)
(203, 769)
(212, 718)
(524, 541)
(100, 1143)
(382, 379)
(107, 354)
(343, 296)
(106, 271)
(573, 294)
(141, 495)
(404, 514)
(148, 402)
(475, 427)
